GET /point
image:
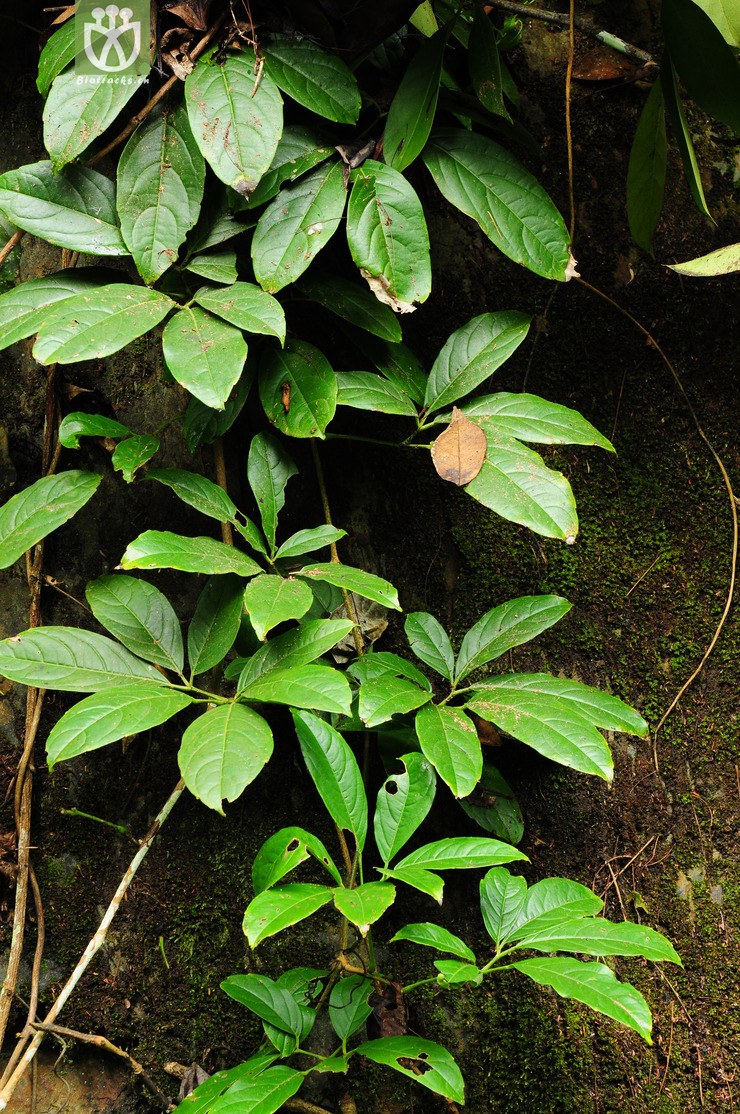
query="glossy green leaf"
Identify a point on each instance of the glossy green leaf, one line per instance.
(74, 426)
(461, 853)
(25, 307)
(504, 627)
(222, 752)
(40, 509)
(418, 879)
(160, 188)
(296, 647)
(133, 453)
(217, 223)
(261, 1094)
(74, 209)
(197, 491)
(271, 599)
(681, 133)
(399, 365)
(77, 112)
(139, 616)
(160, 549)
(434, 936)
(296, 982)
(105, 717)
(243, 304)
(550, 902)
(599, 708)
(430, 642)
(404, 800)
(216, 266)
(436, 1069)
(502, 896)
(283, 852)
(298, 389)
(364, 390)
(204, 354)
(706, 64)
(725, 16)
(335, 773)
(365, 904)
(380, 665)
(59, 51)
(275, 909)
(449, 740)
(270, 1002)
(387, 236)
(354, 304)
(484, 64)
(723, 261)
(298, 151)
(363, 583)
(647, 169)
(215, 624)
(308, 541)
(483, 180)
(595, 936)
(348, 1005)
(320, 81)
(472, 354)
(412, 110)
(303, 686)
(389, 696)
(296, 225)
(202, 1099)
(596, 986)
(202, 424)
(96, 323)
(494, 807)
(531, 418)
(269, 468)
(236, 115)
(71, 660)
(454, 972)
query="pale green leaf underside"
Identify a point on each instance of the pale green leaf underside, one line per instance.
(76, 113)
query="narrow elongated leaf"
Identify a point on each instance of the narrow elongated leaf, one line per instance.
(243, 304)
(308, 541)
(550, 902)
(507, 626)
(419, 879)
(646, 171)
(298, 389)
(197, 491)
(74, 209)
(71, 660)
(59, 51)
(595, 936)
(723, 261)
(436, 1070)
(275, 909)
(472, 354)
(105, 717)
(404, 800)
(412, 110)
(236, 115)
(335, 773)
(74, 426)
(387, 236)
(681, 134)
(296, 647)
(204, 354)
(269, 468)
(434, 936)
(363, 583)
(24, 308)
(353, 304)
(399, 365)
(365, 904)
(160, 549)
(160, 188)
(366, 391)
(599, 708)
(215, 624)
(502, 896)
(40, 509)
(484, 64)
(96, 323)
(531, 418)
(261, 1094)
(298, 151)
(271, 599)
(462, 853)
(270, 1002)
(77, 112)
(349, 1008)
(139, 616)
(449, 740)
(222, 752)
(387, 696)
(705, 63)
(303, 686)
(596, 986)
(283, 852)
(430, 642)
(491, 186)
(319, 81)
(296, 225)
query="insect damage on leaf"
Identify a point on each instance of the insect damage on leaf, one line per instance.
(382, 291)
(459, 452)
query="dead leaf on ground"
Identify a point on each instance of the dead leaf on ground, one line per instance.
(459, 452)
(390, 1016)
(191, 12)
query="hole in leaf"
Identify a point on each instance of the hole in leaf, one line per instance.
(293, 845)
(391, 787)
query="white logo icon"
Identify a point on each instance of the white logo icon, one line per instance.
(103, 45)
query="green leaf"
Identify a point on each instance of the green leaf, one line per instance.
(77, 425)
(296, 647)
(531, 418)
(303, 686)
(296, 225)
(236, 115)
(283, 852)
(705, 63)
(270, 1002)
(599, 708)
(472, 354)
(430, 642)
(201, 424)
(222, 752)
(217, 223)
(595, 936)
(160, 188)
(681, 134)
(204, 354)
(133, 453)
(382, 665)
(550, 902)
(354, 304)
(261, 1094)
(388, 696)
(484, 64)
(723, 261)
(434, 936)
(418, 879)
(365, 904)
(40, 509)
(462, 853)
(387, 236)
(348, 1005)
(449, 740)
(160, 549)
(504, 627)
(308, 541)
(452, 972)
(215, 624)
(298, 151)
(436, 1070)
(726, 18)
(202, 1099)
(495, 807)
(321, 82)
(74, 209)
(298, 389)
(71, 660)
(271, 600)
(59, 51)
(77, 112)
(412, 110)
(335, 773)
(105, 717)
(404, 800)
(399, 365)
(269, 468)
(275, 909)
(596, 986)
(96, 323)
(364, 390)
(197, 491)
(646, 171)
(491, 186)
(243, 304)
(216, 266)
(25, 307)
(502, 896)
(365, 584)
(516, 483)
(139, 616)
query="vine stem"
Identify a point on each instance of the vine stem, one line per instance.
(563, 20)
(13, 242)
(92, 948)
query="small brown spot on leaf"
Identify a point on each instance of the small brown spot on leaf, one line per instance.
(459, 452)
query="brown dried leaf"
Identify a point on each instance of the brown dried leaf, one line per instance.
(459, 452)
(603, 64)
(390, 1016)
(382, 291)
(191, 12)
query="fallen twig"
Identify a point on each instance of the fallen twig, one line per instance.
(563, 20)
